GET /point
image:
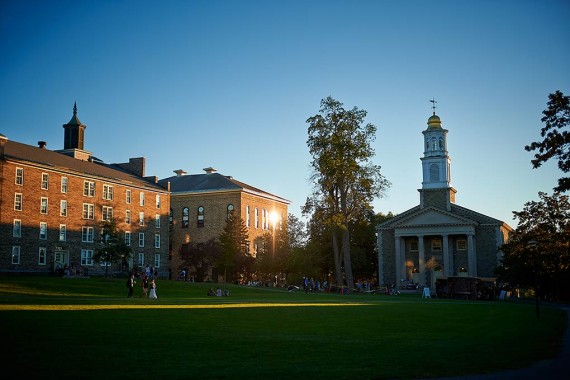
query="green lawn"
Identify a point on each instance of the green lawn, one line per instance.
(87, 328)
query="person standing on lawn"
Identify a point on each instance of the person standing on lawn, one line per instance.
(131, 285)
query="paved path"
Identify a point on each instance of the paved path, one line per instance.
(554, 369)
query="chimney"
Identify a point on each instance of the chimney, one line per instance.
(42, 144)
(210, 170)
(179, 172)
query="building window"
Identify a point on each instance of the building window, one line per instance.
(19, 176)
(88, 188)
(185, 217)
(64, 185)
(17, 229)
(43, 230)
(141, 218)
(230, 210)
(63, 208)
(141, 239)
(141, 259)
(42, 256)
(247, 220)
(108, 192)
(256, 218)
(43, 205)
(18, 202)
(157, 261)
(87, 257)
(62, 232)
(200, 217)
(156, 240)
(45, 181)
(157, 221)
(434, 172)
(88, 211)
(413, 246)
(157, 201)
(128, 238)
(170, 217)
(87, 234)
(128, 216)
(15, 254)
(141, 199)
(436, 245)
(107, 213)
(461, 244)
(128, 197)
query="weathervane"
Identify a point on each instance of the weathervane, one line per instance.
(433, 106)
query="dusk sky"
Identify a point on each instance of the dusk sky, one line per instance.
(230, 84)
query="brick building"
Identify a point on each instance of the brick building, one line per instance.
(438, 238)
(200, 204)
(52, 203)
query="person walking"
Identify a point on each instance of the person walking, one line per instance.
(144, 286)
(152, 293)
(131, 285)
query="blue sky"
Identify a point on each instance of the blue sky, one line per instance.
(230, 84)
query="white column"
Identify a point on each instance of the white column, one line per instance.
(398, 260)
(380, 258)
(422, 260)
(447, 269)
(471, 256)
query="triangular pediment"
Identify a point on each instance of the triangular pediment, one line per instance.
(429, 216)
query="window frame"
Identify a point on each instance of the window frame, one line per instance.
(88, 188)
(17, 228)
(87, 257)
(62, 232)
(18, 202)
(157, 241)
(19, 179)
(45, 181)
(16, 253)
(43, 232)
(108, 192)
(44, 205)
(141, 239)
(63, 207)
(88, 211)
(42, 256)
(64, 184)
(87, 234)
(436, 244)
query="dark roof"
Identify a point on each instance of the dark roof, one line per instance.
(32, 154)
(196, 183)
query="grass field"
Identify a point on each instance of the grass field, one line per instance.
(86, 328)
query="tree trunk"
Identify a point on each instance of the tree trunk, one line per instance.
(346, 258)
(337, 260)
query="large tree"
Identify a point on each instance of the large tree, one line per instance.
(113, 248)
(200, 256)
(556, 142)
(345, 181)
(235, 259)
(537, 255)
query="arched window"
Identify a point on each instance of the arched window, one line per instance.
(441, 144)
(434, 172)
(185, 217)
(200, 217)
(230, 210)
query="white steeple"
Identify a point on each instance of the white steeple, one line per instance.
(436, 163)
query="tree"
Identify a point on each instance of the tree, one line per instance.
(345, 181)
(556, 142)
(201, 256)
(537, 255)
(235, 258)
(113, 249)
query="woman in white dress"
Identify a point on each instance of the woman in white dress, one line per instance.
(152, 293)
